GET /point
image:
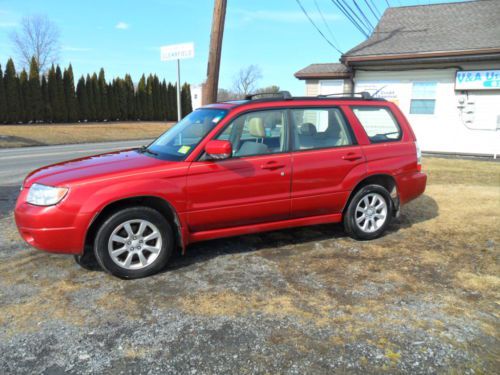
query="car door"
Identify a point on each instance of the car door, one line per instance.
(252, 186)
(325, 160)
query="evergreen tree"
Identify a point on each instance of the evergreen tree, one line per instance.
(129, 87)
(12, 93)
(113, 101)
(164, 101)
(102, 101)
(61, 109)
(141, 99)
(52, 94)
(3, 99)
(172, 102)
(25, 113)
(83, 99)
(149, 98)
(186, 103)
(69, 94)
(34, 100)
(91, 92)
(47, 109)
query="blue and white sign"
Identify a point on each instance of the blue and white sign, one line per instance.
(477, 80)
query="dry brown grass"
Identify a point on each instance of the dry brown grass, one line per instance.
(33, 135)
(444, 247)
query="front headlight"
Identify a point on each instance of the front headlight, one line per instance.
(42, 195)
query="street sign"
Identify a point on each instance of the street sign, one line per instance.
(177, 51)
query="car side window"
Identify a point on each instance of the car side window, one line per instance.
(316, 128)
(379, 123)
(257, 133)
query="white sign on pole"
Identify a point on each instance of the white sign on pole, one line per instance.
(177, 51)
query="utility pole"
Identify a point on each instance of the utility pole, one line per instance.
(211, 86)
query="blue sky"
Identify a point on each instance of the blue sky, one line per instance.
(124, 36)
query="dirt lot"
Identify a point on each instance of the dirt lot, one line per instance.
(424, 299)
(39, 135)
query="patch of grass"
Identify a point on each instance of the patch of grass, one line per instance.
(461, 171)
(35, 135)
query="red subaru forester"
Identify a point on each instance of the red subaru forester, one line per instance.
(228, 169)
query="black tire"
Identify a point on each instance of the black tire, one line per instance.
(355, 230)
(114, 221)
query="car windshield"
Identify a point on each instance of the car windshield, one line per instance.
(178, 142)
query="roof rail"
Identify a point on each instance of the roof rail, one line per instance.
(363, 95)
(279, 94)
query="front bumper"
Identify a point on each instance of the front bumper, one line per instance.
(56, 229)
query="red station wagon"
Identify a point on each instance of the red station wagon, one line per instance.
(228, 169)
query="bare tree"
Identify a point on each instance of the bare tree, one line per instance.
(39, 37)
(245, 82)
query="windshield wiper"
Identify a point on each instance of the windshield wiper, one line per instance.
(144, 149)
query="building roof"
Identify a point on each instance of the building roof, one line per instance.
(330, 70)
(426, 29)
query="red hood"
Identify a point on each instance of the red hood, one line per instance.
(112, 164)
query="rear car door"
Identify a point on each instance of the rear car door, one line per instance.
(326, 159)
(253, 186)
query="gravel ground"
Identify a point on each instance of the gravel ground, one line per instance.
(421, 300)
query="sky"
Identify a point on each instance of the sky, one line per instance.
(124, 36)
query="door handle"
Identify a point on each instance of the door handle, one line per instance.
(272, 165)
(351, 157)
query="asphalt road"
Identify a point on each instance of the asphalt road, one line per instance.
(16, 163)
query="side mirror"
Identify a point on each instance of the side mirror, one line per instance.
(219, 150)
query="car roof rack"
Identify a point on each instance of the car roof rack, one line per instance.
(365, 95)
(273, 95)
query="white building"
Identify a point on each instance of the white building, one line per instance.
(196, 96)
(440, 63)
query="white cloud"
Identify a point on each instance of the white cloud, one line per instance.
(122, 25)
(7, 19)
(282, 16)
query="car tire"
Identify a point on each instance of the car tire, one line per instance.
(369, 213)
(134, 242)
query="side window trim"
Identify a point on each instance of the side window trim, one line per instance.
(348, 128)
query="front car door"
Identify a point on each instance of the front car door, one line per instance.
(326, 159)
(253, 186)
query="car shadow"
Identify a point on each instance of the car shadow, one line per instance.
(422, 209)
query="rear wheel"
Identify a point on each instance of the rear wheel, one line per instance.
(369, 213)
(134, 242)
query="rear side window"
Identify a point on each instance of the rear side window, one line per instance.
(379, 123)
(315, 128)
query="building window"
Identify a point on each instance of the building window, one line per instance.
(423, 98)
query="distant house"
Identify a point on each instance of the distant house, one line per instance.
(440, 63)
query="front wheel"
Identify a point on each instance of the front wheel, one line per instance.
(369, 213)
(133, 243)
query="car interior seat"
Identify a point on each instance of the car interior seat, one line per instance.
(254, 147)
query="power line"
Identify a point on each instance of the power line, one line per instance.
(363, 14)
(317, 28)
(350, 18)
(326, 23)
(367, 23)
(376, 9)
(387, 1)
